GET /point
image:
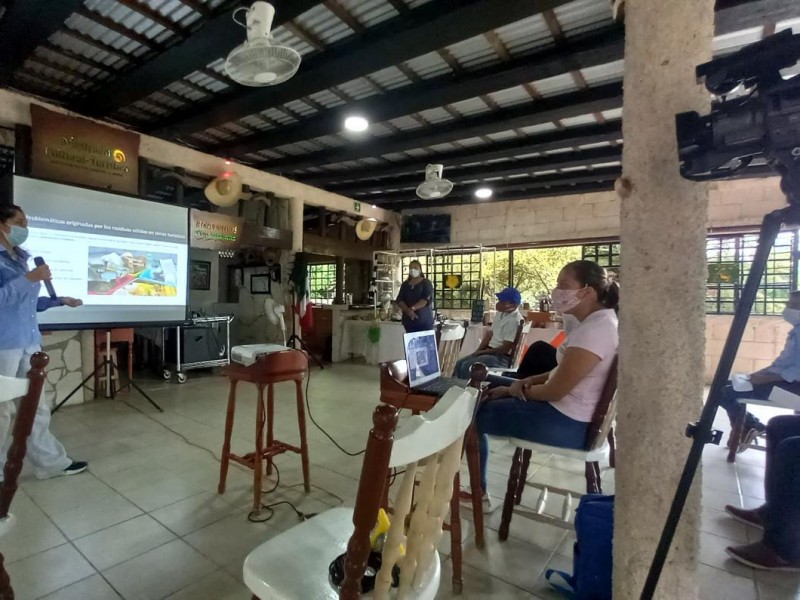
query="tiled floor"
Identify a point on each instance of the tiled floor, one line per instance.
(146, 522)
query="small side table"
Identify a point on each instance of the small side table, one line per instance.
(277, 367)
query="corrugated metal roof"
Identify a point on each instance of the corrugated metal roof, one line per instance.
(473, 106)
(369, 12)
(474, 52)
(525, 35)
(734, 41)
(606, 73)
(511, 96)
(583, 15)
(552, 86)
(429, 65)
(324, 25)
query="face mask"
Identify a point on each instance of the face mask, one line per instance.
(791, 315)
(17, 235)
(564, 300)
(414, 272)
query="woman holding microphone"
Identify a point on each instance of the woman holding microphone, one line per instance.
(20, 339)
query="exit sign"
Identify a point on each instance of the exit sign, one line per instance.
(357, 206)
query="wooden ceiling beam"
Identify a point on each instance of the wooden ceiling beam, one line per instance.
(562, 106)
(541, 142)
(214, 38)
(424, 29)
(26, 25)
(448, 89)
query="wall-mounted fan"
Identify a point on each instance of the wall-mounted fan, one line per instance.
(275, 311)
(259, 61)
(434, 186)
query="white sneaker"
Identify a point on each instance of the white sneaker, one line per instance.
(488, 505)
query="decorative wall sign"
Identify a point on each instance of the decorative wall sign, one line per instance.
(215, 231)
(200, 275)
(80, 151)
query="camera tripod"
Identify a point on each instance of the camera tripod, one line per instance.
(110, 369)
(701, 432)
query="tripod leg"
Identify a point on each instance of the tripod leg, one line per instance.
(78, 387)
(701, 432)
(135, 386)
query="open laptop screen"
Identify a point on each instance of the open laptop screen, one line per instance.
(422, 357)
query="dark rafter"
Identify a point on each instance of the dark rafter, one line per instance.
(425, 29)
(573, 104)
(564, 188)
(541, 142)
(526, 166)
(597, 49)
(25, 25)
(215, 38)
(513, 185)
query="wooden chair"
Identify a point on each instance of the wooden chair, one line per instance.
(599, 444)
(449, 340)
(295, 563)
(29, 390)
(519, 343)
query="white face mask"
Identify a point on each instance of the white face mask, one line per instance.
(791, 315)
(414, 272)
(564, 300)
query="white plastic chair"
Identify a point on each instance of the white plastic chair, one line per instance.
(294, 564)
(29, 390)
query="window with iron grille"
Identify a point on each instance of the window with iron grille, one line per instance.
(461, 291)
(729, 260)
(322, 283)
(605, 255)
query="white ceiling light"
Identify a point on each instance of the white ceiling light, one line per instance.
(356, 123)
(483, 193)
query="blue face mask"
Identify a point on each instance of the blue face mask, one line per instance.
(17, 235)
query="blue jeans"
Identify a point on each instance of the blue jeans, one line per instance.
(729, 402)
(782, 487)
(493, 361)
(533, 421)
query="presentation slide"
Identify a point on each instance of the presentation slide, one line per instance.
(126, 258)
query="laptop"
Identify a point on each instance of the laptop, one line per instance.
(424, 370)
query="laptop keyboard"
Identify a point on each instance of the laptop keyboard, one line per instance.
(439, 387)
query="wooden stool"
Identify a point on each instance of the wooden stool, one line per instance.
(104, 378)
(287, 365)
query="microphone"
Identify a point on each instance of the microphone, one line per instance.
(39, 261)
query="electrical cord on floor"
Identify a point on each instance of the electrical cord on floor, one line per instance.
(318, 426)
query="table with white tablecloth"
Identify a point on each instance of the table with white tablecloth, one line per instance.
(356, 341)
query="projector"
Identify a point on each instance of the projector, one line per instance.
(248, 354)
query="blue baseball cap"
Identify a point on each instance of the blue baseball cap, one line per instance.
(510, 294)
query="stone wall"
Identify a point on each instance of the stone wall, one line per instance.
(65, 370)
(763, 341)
(589, 216)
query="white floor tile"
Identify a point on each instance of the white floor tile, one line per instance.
(121, 542)
(33, 532)
(160, 572)
(191, 514)
(94, 516)
(217, 586)
(91, 588)
(48, 571)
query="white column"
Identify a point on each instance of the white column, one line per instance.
(663, 230)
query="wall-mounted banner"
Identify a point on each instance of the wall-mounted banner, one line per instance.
(215, 231)
(79, 151)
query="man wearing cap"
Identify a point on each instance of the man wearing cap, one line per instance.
(496, 352)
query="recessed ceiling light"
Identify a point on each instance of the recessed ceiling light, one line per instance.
(483, 193)
(356, 123)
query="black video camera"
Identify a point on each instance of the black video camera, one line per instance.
(761, 127)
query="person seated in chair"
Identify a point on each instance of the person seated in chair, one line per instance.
(496, 352)
(784, 372)
(557, 407)
(779, 516)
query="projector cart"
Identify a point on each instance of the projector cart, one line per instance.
(221, 358)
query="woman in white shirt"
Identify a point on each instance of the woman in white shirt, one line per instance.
(557, 407)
